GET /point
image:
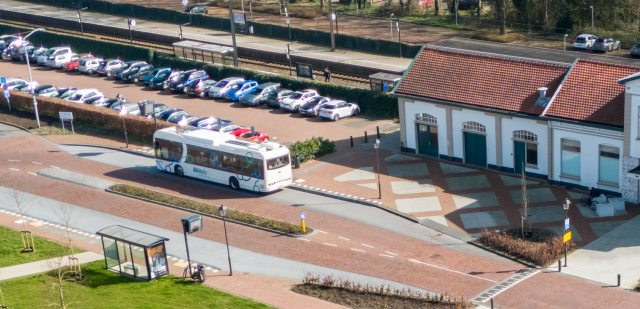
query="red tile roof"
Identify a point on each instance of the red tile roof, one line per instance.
(481, 80)
(592, 93)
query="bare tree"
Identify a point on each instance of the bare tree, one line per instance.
(67, 215)
(525, 202)
(61, 276)
(21, 202)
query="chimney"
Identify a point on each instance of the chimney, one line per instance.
(543, 100)
(543, 92)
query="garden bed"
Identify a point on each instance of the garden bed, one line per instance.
(211, 210)
(538, 253)
(355, 295)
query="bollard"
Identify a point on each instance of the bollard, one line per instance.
(491, 302)
(618, 279)
(366, 139)
(351, 137)
(297, 161)
(559, 265)
(378, 131)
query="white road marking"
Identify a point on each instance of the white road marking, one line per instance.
(343, 238)
(386, 255)
(34, 174)
(14, 160)
(207, 268)
(330, 244)
(15, 169)
(54, 166)
(455, 271)
(36, 162)
(390, 252)
(358, 250)
(322, 231)
(303, 239)
(367, 246)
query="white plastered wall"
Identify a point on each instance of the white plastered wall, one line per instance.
(541, 130)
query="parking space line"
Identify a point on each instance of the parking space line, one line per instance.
(367, 246)
(303, 239)
(322, 232)
(330, 244)
(33, 174)
(15, 169)
(390, 252)
(386, 255)
(357, 250)
(344, 238)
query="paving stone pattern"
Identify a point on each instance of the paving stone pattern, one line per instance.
(408, 170)
(484, 219)
(602, 228)
(420, 204)
(412, 187)
(515, 181)
(475, 200)
(468, 182)
(453, 169)
(544, 214)
(533, 195)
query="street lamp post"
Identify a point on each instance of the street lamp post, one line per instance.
(223, 214)
(399, 38)
(233, 35)
(591, 19)
(565, 206)
(26, 56)
(289, 56)
(391, 25)
(131, 23)
(376, 145)
(80, 19)
(123, 113)
(564, 42)
(181, 37)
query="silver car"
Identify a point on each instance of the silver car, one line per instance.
(89, 65)
(109, 66)
(605, 45)
(220, 89)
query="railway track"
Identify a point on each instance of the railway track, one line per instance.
(248, 63)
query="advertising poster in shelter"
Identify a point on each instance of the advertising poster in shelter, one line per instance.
(157, 261)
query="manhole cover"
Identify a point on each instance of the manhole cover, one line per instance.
(435, 256)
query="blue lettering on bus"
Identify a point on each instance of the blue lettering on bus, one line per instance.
(199, 171)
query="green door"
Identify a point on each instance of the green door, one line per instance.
(428, 140)
(518, 156)
(475, 149)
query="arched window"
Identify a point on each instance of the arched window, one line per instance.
(422, 117)
(525, 135)
(474, 126)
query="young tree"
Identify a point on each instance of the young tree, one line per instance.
(525, 202)
(67, 215)
(21, 202)
(60, 273)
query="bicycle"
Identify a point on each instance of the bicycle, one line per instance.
(589, 199)
(197, 274)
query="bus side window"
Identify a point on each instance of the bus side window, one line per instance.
(175, 152)
(162, 149)
(213, 159)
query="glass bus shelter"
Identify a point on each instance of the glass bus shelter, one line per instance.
(134, 253)
(384, 81)
(203, 52)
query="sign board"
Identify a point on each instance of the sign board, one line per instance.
(3, 80)
(302, 216)
(192, 224)
(7, 94)
(240, 20)
(288, 21)
(146, 108)
(5, 87)
(304, 70)
(566, 224)
(158, 261)
(185, 2)
(385, 87)
(567, 237)
(66, 116)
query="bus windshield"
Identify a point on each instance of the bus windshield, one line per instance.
(278, 162)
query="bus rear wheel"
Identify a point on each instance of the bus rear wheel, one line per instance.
(179, 171)
(233, 183)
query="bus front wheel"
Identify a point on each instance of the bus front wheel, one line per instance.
(233, 183)
(179, 171)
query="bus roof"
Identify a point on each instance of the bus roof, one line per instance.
(212, 138)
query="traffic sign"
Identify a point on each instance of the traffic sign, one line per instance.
(7, 94)
(567, 237)
(66, 115)
(5, 87)
(566, 224)
(185, 2)
(3, 80)
(302, 216)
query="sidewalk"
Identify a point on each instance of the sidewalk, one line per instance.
(41, 266)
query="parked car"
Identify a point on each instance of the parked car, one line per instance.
(202, 88)
(605, 45)
(54, 51)
(46, 91)
(101, 101)
(260, 94)
(276, 97)
(33, 57)
(192, 84)
(297, 99)
(181, 84)
(166, 114)
(59, 58)
(200, 9)
(118, 105)
(73, 65)
(221, 88)
(13, 83)
(13, 47)
(193, 121)
(109, 66)
(337, 109)
(177, 116)
(584, 41)
(126, 67)
(162, 80)
(63, 91)
(179, 79)
(83, 95)
(245, 87)
(137, 74)
(256, 136)
(6, 39)
(212, 121)
(28, 87)
(159, 108)
(225, 128)
(18, 54)
(312, 107)
(156, 72)
(89, 65)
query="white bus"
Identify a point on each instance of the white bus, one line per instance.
(221, 158)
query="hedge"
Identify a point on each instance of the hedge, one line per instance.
(372, 103)
(312, 148)
(83, 45)
(136, 125)
(317, 37)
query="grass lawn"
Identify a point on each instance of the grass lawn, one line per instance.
(11, 245)
(104, 289)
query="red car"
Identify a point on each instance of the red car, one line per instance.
(73, 65)
(245, 133)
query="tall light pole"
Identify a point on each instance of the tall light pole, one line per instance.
(132, 23)
(223, 214)
(80, 18)
(591, 19)
(399, 38)
(123, 113)
(564, 42)
(233, 35)
(376, 145)
(181, 37)
(289, 56)
(391, 25)
(26, 56)
(565, 206)
(333, 38)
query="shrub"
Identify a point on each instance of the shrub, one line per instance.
(312, 148)
(538, 253)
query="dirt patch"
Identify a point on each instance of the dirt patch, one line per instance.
(497, 37)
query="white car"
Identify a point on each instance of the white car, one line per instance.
(585, 41)
(220, 89)
(55, 51)
(57, 60)
(13, 83)
(89, 65)
(297, 99)
(336, 109)
(81, 96)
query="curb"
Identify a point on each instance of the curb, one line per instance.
(504, 254)
(142, 154)
(17, 126)
(340, 196)
(211, 216)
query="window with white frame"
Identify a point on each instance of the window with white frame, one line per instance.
(422, 117)
(474, 126)
(570, 157)
(525, 135)
(609, 164)
(531, 149)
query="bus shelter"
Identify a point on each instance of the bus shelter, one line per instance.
(134, 253)
(384, 81)
(203, 52)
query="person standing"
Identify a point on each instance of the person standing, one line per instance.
(327, 75)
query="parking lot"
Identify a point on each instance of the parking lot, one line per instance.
(282, 126)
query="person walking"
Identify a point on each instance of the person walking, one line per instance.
(327, 75)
